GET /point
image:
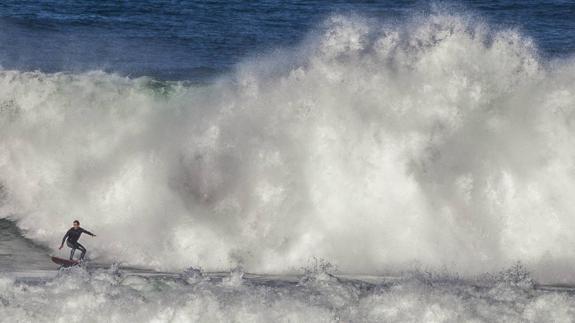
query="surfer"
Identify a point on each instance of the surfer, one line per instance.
(73, 235)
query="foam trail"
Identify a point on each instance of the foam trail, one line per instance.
(439, 141)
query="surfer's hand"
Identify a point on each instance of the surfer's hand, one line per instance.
(60, 247)
(93, 235)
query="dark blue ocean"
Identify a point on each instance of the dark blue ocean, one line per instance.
(194, 40)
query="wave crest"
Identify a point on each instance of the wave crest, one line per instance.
(370, 145)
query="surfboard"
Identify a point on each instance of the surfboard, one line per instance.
(65, 262)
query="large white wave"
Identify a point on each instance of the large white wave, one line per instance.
(373, 146)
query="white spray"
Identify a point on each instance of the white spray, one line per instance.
(439, 142)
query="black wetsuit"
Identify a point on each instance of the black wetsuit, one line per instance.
(73, 235)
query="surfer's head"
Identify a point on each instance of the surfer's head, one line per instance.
(76, 223)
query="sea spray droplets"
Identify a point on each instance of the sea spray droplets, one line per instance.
(235, 278)
(193, 275)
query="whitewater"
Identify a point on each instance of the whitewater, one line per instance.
(438, 145)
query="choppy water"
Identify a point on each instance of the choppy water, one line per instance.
(384, 139)
(115, 295)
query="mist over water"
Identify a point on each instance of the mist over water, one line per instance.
(440, 142)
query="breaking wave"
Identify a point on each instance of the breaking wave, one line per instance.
(440, 141)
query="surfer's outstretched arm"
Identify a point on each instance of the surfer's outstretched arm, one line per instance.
(88, 232)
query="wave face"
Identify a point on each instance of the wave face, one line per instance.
(18, 253)
(439, 141)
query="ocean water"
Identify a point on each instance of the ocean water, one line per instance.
(288, 161)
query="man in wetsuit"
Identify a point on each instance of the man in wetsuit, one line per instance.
(73, 235)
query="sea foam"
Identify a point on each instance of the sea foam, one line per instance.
(440, 141)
